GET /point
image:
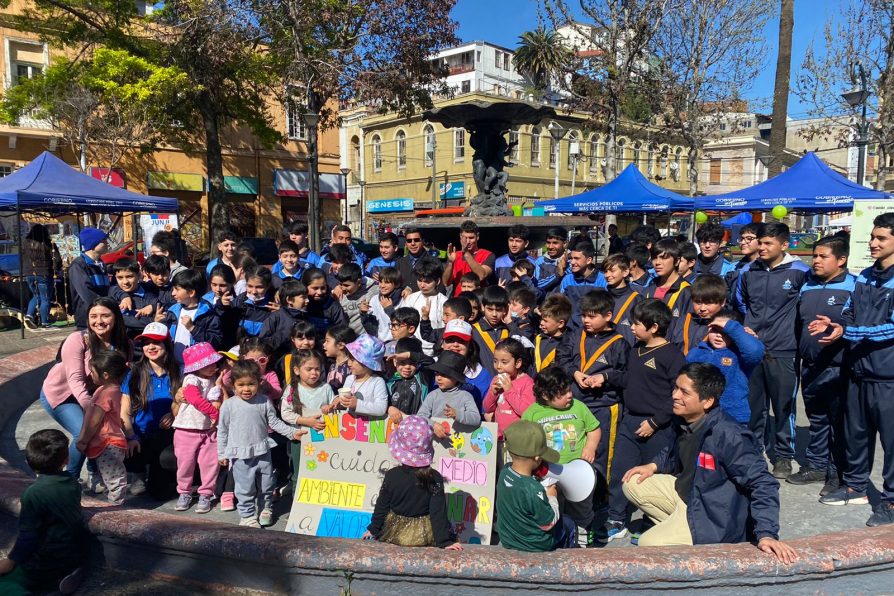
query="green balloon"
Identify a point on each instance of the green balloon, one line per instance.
(701, 217)
(779, 212)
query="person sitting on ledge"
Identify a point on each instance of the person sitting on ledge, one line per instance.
(712, 484)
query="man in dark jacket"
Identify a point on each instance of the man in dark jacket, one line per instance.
(407, 264)
(711, 485)
(87, 274)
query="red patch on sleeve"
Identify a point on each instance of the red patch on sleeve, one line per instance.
(706, 461)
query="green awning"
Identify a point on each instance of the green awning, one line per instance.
(241, 185)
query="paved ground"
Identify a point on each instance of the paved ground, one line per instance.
(11, 341)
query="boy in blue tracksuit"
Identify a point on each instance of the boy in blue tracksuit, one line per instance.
(289, 264)
(735, 353)
(518, 249)
(277, 327)
(388, 246)
(550, 268)
(869, 410)
(136, 302)
(770, 289)
(341, 234)
(748, 247)
(254, 303)
(583, 277)
(191, 319)
(306, 257)
(713, 483)
(823, 386)
(710, 259)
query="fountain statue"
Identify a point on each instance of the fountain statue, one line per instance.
(487, 123)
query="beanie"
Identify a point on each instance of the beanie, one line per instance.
(90, 237)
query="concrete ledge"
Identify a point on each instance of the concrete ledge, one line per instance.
(225, 557)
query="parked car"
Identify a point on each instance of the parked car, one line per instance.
(266, 251)
(125, 251)
(367, 248)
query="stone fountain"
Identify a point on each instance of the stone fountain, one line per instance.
(487, 123)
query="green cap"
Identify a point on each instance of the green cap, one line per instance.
(526, 438)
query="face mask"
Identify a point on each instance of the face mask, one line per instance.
(514, 314)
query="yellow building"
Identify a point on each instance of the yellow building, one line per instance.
(392, 162)
(267, 188)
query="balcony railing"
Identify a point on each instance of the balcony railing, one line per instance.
(460, 69)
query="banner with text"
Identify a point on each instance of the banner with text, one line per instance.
(861, 228)
(342, 468)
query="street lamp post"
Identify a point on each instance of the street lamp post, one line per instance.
(344, 173)
(314, 223)
(362, 184)
(556, 131)
(858, 96)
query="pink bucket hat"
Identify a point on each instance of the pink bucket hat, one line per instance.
(368, 351)
(198, 356)
(410, 443)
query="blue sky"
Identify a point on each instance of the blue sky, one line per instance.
(502, 21)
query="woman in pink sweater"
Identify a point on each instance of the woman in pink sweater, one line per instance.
(68, 390)
(512, 391)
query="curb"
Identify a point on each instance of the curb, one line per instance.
(229, 558)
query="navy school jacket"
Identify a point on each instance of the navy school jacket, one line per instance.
(546, 273)
(622, 313)
(487, 338)
(733, 498)
(89, 280)
(679, 300)
(826, 299)
(252, 314)
(869, 318)
(718, 266)
(770, 303)
(229, 319)
(574, 287)
(207, 324)
(276, 329)
(503, 265)
(141, 298)
(325, 314)
(612, 362)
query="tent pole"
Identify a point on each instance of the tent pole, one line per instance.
(23, 309)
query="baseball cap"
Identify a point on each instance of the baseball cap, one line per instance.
(527, 439)
(153, 332)
(458, 328)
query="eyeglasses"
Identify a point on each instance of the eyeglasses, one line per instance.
(747, 239)
(413, 240)
(262, 360)
(397, 325)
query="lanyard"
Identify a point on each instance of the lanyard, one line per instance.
(538, 363)
(487, 338)
(624, 307)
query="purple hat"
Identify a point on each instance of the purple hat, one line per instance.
(198, 356)
(368, 351)
(410, 443)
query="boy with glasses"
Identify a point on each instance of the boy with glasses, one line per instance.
(748, 245)
(710, 238)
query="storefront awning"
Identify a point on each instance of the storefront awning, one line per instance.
(115, 178)
(174, 181)
(295, 183)
(241, 185)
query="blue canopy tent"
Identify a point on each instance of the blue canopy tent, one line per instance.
(737, 220)
(49, 185)
(629, 192)
(809, 185)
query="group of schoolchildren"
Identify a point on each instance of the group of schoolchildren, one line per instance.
(572, 359)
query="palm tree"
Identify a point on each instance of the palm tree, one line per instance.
(541, 56)
(781, 90)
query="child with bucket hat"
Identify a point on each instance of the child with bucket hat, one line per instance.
(449, 400)
(364, 390)
(411, 509)
(195, 418)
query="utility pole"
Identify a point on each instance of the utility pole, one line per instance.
(434, 181)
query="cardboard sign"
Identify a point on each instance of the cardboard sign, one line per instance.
(342, 468)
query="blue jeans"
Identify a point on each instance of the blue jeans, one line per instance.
(40, 286)
(70, 416)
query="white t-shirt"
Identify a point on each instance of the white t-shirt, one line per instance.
(183, 338)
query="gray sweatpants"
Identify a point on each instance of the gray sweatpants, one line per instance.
(246, 474)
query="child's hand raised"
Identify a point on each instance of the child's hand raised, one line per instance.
(160, 315)
(227, 298)
(425, 311)
(364, 305)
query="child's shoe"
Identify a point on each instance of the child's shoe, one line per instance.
(71, 582)
(95, 484)
(585, 537)
(204, 504)
(135, 484)
(183, 503)
(249, 522)
(228, 502)
(266, 518)
(614, 530)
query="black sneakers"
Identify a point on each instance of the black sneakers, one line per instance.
(806, 475)
(782, 469)
(883, 515)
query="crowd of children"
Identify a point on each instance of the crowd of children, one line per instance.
(589, 353)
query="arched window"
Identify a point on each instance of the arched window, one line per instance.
(638, 155)
(665, 153)
(428, 134)
(377, 153)
(594, 154)
(677, 165)
(535, 147)
(650, 163)
(401, 142)
(514, 153)
(620, 146)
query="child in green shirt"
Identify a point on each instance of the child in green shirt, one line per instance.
(572, 430)
(528, 514)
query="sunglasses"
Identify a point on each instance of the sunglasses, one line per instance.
(260, 360)
(413, 240)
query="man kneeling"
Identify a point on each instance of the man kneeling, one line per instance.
(712, 484)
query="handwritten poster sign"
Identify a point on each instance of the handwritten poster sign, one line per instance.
(861, 228)
(343, 465)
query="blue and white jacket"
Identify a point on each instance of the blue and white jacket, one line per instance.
(869, 318)
(503, 265)
(207, 324)
(826, 299)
